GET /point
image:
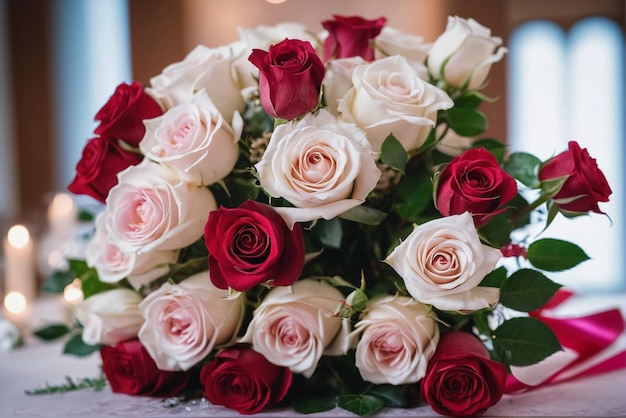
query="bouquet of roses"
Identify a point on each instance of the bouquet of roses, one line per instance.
(312, 220)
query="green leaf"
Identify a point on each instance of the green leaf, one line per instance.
(551, 254)
(361, 405)
(78, 267)
(393, 154)
(527, 290)
(91, 284)
(468, 101)
(526, 340)
(56, 282)
(329, 232)
(52, 332)
(497, 148)
(393, 395)
(466, 122)
(76, 346)
(497, 231)
(364, 215)
(523, 167)
(314, 405)
(416, 193)
(494, 279)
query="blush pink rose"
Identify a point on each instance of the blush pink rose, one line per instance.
(184, 322)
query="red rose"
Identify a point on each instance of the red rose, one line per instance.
(290, 78)
(252, 244)
(96, 172)
(123, 115)
(585, 185)
(474, 182)
(350, 36)
(242, 379)
(461, 379)
(129, 369)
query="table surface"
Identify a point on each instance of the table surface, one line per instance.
(37, 363)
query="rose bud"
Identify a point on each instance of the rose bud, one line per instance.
(585, 185)
(239, 378)
(351, 36)
(290, 78)
(474, 182)
(461, 379)
(129, 369)
(123, 115)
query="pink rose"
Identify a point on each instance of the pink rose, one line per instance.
(250, 245)
(585, 184)
(152, 208)
(350, 36)
(123, 115)
(184, 322)
(290, 78)
(242, 379)
(461, 379)
(96, 172)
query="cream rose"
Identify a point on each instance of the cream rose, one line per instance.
(443, 261)
(109, 317)
(390, 97)
(152, 208)
(10, 336)
(463, 54)
(202, 68)
(195, 140)
(322, 165)
(114, 265)
(391, 41)
(185, 321)
(398, 336)
(295, 325)
(338, 80)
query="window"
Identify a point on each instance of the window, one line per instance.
(570, 86)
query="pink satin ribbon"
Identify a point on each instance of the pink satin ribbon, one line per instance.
(587, 336)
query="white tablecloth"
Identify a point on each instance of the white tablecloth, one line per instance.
(38, 363)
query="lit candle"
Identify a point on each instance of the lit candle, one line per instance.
(62, 213)
(73, 292)
(15, 308)
(19, 263)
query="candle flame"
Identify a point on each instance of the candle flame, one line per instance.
(15, 302)
(18, 236)
(62, 204)
(73, 292)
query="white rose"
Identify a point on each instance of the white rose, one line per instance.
(195, 140)
(109, 317)
(338, 80)
(184, 322)
(391, 41)
(397, 338)
(443, 261)
(390, 97)
(463, 54)
(114, 265)
(202, 68)
(320, 164)
(10, 336)
(152, 208)
(294, 326)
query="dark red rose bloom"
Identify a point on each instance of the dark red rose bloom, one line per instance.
(241, 379)
(290, 78)
(123, 115)
(252, 244)
(585, 186)
(96, 172)
(129, 369)
(474, 182)
(351, 36)
(461, 379)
